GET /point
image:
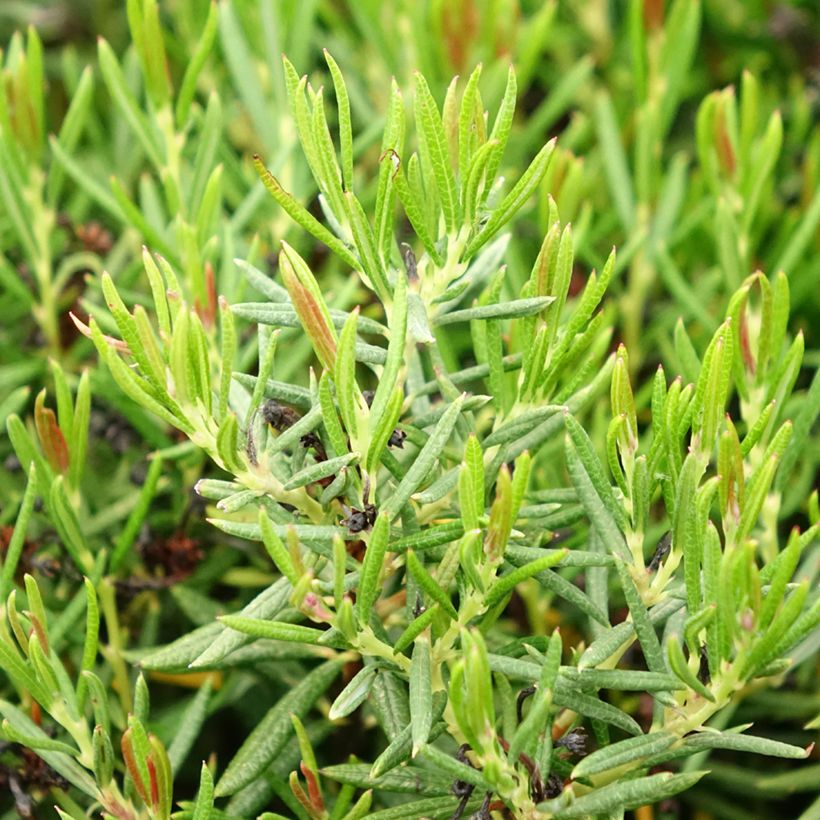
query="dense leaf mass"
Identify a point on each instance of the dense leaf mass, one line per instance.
(437, 446)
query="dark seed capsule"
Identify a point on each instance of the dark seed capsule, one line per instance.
(554, 786)
(537, 786)
(138, 473)
(574, 741)
(464, 796)
(310, 441)
(703, 669)
(278, 415)
(360, 520)
(661, 551)
(409, 259)
(461, 788)
(356, 521)
(461, 754)
(522, 696)
(483, 812)
(397, 437)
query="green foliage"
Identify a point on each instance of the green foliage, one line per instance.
(337, 424)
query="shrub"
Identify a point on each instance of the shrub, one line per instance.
(529, 546)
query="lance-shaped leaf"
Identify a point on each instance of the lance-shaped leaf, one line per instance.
(429, 584)
(435, 145)
(91, 643)
(428, 807)
(309, 304)
(136, 752)
(63, 764)
(623, 402)
(501, 128)
(323, 469)
(190, 725)
(415, 628)
(302, 216)
(480, 713)
(626, 752)
(347, 391)
(514, 201)
(746, 743)
(381, 433)
(203, 807)
(468, 125)
(501, 516)
(713, 386)
(610, 641)
(506, 583)
(68, 526)
(761, 480)
(763, 651)
(568, 696)
(266, 605)
(369, 589)
(679, 666)
(161, 778)
(35, 742)
(275, 630)
(128, 105)
(513, 309)
(630, 794)
(424, 462)
(345, 130)
(421, 693)
(400, 748)
(471, 484)
(353, 694)
(537, 720)
(18, 537)
(404, 780)
(330, 416)
(522, 424)
(389, 699)
(391, 150)
(269, 737)
(103, 756)
(129, 532)
(276, 549)
(783, 568)
(395, 352)
(456, 769)
(595, 494)
(415, 215)
(643, 625)
(51, 436)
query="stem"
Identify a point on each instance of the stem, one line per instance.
(366, 643)
(113, 652)
(46, 311)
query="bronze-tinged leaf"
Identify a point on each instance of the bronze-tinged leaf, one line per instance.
(307, 302)
(51, 437)
(131, 766)
(207, 311)
(116, 344)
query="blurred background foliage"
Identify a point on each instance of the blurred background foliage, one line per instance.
(688, 137)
